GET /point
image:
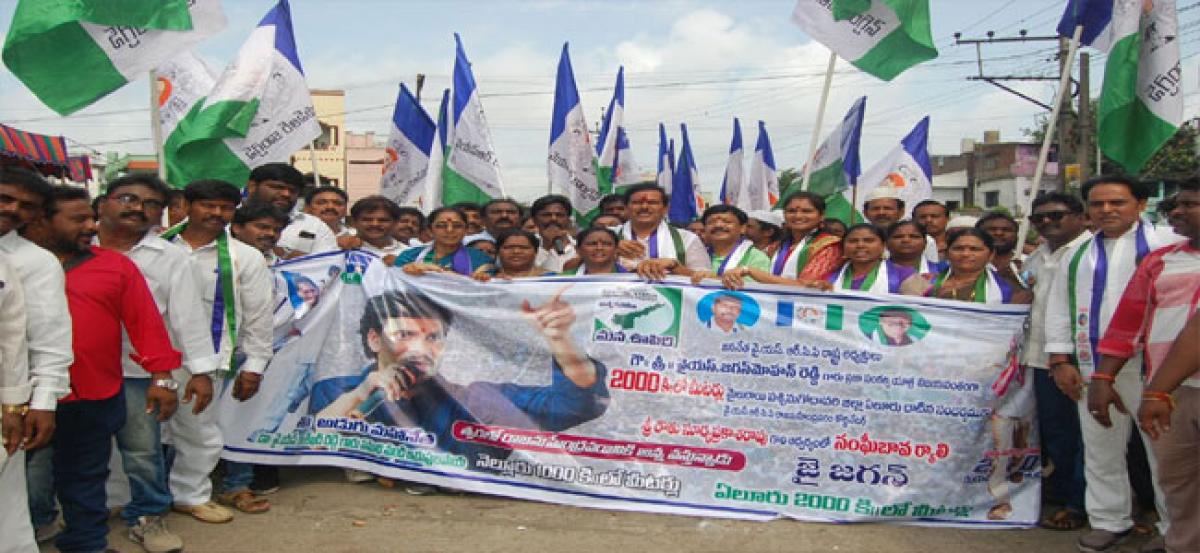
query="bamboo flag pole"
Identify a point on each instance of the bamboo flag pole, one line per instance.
(1024, 202)
(816, 134)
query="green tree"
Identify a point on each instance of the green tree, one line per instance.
(1177, 159)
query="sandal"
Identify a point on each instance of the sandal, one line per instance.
(245, 501)
(1000, 511)
(207, 512)
(1064, 519)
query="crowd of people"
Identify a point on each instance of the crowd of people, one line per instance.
(124, 315)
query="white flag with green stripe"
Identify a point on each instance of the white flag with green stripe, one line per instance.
(836, 164)
(182, 82)
(880, 37)
(259, 112)
(1141, 102)
(72, 53)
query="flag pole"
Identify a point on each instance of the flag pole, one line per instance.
(160, 160)
(312, 156)
(156, 126)
(816, 134)
(1025, 202)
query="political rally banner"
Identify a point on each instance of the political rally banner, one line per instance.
(668, 397)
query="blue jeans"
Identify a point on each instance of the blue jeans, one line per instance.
(1062, 442)
(140, 445)
(237, 477)
(82, 449)
(39, 484)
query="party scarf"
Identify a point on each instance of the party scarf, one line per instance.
(665, 242)
(844, 280)
(460, 263)
(990, 287)
(224, 313)
(789, 260)
(735, 257)
(1085, 324)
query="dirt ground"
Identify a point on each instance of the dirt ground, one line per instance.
(318, 511)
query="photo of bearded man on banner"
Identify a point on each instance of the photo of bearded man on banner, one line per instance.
(404, 334)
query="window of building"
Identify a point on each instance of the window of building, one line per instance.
(952, 205)
(991, 199)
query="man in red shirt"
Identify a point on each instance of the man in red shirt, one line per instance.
(105, 294)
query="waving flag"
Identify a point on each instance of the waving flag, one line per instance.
(431, 198)
(71, 54)
(686, 203)
(473, 169)
(571, 163)
(182, 82)
(1141, 102)
(906, 168)
(407, 151)
(836, 164)
(735, 172)
(763, 187)
(616, 167)
(880, 37)
(666, 159)
(259, 111)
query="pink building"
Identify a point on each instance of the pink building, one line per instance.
(365, 159)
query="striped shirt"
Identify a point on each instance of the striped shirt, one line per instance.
(1162, 294)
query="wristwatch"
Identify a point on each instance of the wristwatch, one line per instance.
(166, 384)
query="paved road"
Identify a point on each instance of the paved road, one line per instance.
(318, 512)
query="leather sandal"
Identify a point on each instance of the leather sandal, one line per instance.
(245, 501)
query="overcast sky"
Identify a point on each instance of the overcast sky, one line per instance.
(692, 61)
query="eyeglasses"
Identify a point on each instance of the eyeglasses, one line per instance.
(134, 199)
(1056, 216)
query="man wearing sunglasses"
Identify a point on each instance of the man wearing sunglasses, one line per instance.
(1059, 219)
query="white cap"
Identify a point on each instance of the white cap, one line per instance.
(467, 240)
(961, 221)
(883, 192)
(767, 216)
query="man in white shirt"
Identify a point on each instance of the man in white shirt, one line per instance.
(329, 203)
(127, 211)
(14, 401)
(552, 215)
(646, 235)
(883, 207)
(408, 226)
(374, 218)
(259, 225)
(24, 197)
(1060, 220)
(281, 184)
(1083, 298)
(236, 288)
(500, 214)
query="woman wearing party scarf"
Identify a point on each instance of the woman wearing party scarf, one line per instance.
(968, 278)
(516, 250)
(597, 247)
(865, 268)
(446, 254)
(807, 255)
(734, 257)
(906, 242)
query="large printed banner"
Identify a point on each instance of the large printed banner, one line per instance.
(618, 393)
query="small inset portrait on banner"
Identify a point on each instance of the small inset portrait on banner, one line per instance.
(728, 312)
(893, 326)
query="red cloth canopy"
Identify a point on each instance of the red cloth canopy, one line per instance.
(47, 154)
